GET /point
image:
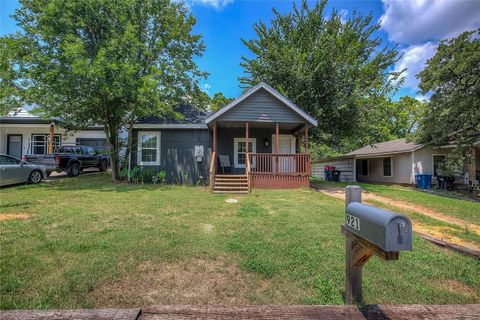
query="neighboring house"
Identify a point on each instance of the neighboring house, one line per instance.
(23, 133)
(213, 147)
(396, 161)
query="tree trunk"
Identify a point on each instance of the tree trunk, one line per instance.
(128, 153)
(112, 138)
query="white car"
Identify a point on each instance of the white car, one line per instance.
(13, 170)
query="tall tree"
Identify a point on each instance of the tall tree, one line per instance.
(219, 101)
(334, 69)
(452, 77)
(104, 61)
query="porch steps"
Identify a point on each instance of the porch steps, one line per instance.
(229, 183)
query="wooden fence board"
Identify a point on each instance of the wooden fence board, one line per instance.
(251, 312)
(80, 314)
(424, 312)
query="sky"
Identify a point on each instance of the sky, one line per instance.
(415, 26)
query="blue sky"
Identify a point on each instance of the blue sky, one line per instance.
(414, 25)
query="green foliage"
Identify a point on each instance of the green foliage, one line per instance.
(219, 101)
(147, 175)
(101, 62)
(161, 177)
(135, 174)
(452, 166)
(336, 71)
(452, 77)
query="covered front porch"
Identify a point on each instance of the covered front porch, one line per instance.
(277, 155)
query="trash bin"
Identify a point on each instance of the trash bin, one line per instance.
(424, 181)
(328, 172)
(336, 175)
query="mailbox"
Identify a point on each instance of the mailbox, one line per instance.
(386, 229)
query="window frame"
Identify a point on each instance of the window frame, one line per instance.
(433, 162)
(45, 142)
(391, 167)
(139, 148)
(368, 168)
(236, 153)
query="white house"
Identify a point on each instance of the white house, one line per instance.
(24, 133)
(395, 161)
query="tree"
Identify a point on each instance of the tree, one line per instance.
(219, 101)
(104, 62)
(452, 77)
(335, 70)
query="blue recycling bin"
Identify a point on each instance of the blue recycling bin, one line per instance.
(424, 181)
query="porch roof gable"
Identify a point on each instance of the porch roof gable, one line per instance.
(301, 114)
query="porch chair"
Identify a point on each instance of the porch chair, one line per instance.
(224, 162)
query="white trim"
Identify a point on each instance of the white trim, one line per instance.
(170, 126)
(431, 158)
(368, 168)
(293, 142)
(139, 148)
(391, 168)
(272, 91)
(235, 149)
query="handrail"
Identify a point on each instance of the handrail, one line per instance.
(213, 162)
(247, 169)
(292, 164)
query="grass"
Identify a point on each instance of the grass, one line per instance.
(89, 243)
(463, 209)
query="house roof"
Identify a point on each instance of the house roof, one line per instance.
(272, 91)
(387, 147)
(187, 117)
(24, 117)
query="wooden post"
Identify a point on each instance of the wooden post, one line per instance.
(215, 137)
(277, 146)
(306, 139)
(353, 272)
(51, 137)
(246, 147)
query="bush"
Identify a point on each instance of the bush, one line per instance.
(147, 175)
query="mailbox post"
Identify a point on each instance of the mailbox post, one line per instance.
(370, 231)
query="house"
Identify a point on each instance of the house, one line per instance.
(24, 133)
(395, 161)
(254, 141)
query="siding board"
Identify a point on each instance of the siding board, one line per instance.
(345, 166)
(261, 106)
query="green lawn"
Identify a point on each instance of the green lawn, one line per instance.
(90, 243)
(463, 209)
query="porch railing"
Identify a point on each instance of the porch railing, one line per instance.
(297, 164)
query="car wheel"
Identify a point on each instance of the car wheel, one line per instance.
(74, 170)
(35, 177)
(103, 165)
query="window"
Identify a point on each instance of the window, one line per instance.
(39, 143)
(240, 150)
(364, 167)
(437, 159)
(149, 148)
(4, 160)
(387, 167)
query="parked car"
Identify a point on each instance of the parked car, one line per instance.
(13, 170)
(71, 159)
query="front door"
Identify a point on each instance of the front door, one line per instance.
(14, 145)
(286, 144)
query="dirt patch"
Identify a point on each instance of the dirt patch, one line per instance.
(13, 216)
(207, 228)
(455, 286)
(195, 282)
(442, 233)
(339, 193)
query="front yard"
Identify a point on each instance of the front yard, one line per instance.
(85, 242)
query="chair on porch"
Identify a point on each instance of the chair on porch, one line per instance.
(224, 162)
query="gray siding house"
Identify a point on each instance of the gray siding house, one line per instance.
(258, 140)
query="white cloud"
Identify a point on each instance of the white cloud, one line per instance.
(343, 15)
(417, 21)
(217, 4)
(206, 88)
(414, 59)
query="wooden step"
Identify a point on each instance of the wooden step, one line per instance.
(231, 176)
(228, 191)
(230, 188)
(226, 183)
